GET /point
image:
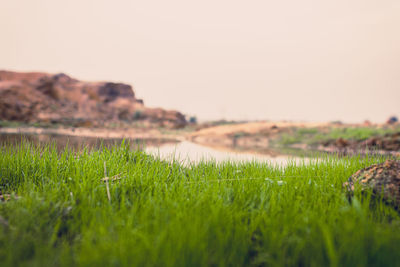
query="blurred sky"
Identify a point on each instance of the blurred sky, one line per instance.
(289, 59)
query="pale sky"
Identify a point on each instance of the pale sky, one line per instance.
(312, 60)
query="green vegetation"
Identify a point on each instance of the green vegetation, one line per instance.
(193, 119)
(138, 115)
(312, 136)
(14, 124)
(166, 214)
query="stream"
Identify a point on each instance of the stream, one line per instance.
(185, 152)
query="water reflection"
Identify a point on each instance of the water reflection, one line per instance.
(187, 152)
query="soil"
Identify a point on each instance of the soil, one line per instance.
(262, 136)
(247, 136)
(388, 142)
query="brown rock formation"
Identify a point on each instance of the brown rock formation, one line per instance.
(41, 97)
(383, 179)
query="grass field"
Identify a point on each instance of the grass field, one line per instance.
(165, 214)
(314, 136)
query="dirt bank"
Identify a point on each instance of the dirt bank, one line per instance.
(327, 137)
(247, 136)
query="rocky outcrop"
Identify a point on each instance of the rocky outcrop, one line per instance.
(41, 97)
(383, 180)
(387, 142)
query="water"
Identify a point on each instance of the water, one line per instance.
(186, 152)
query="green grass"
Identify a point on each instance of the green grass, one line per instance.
(165, 214)
(313, 136)
(13, 124)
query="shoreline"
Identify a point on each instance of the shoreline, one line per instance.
(131, 133)
(257, 138)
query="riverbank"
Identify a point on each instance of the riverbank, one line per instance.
(271, 138)
(324, 137)
(105, 133)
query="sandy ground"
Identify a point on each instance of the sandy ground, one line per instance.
(253, 135)
(255, 127)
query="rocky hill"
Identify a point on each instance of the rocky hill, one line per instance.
(42, 97)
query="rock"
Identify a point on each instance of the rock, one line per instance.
(112, 91)
(383, 179)
(389, 142)
(165, 118)
(42, 97)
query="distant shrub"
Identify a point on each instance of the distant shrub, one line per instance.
(193, 119)
(137, 115)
